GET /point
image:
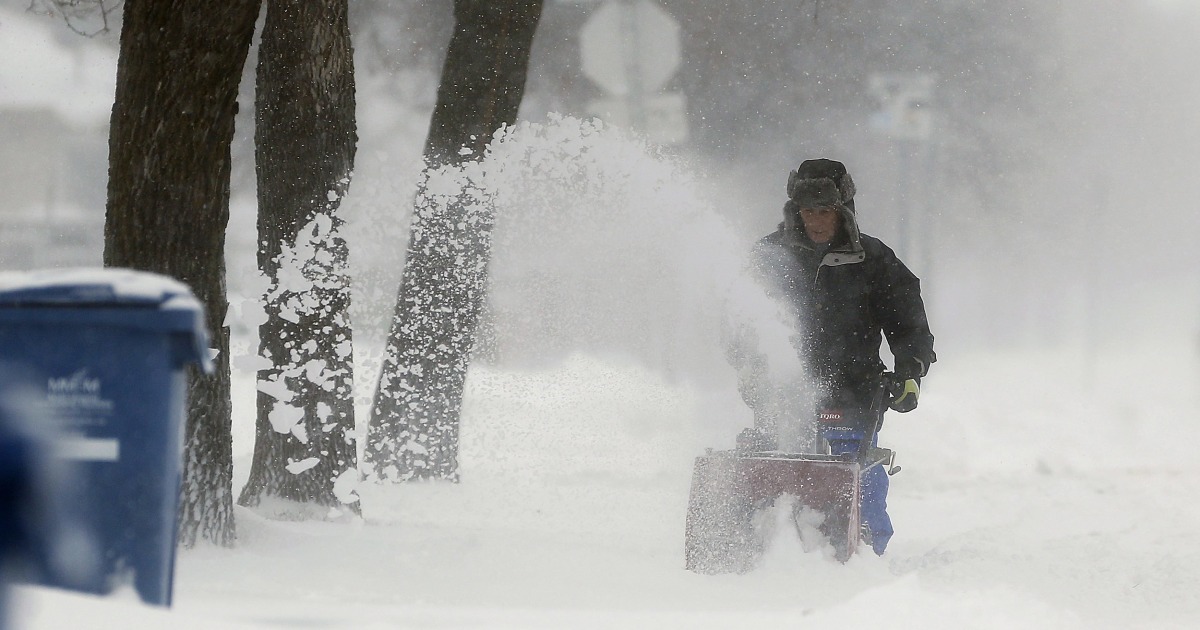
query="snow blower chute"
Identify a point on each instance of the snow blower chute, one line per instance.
(730, 487)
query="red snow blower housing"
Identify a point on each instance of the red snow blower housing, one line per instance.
(730, 487)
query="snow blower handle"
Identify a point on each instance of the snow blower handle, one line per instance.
(888, 389)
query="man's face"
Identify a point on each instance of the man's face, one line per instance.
(821, 224)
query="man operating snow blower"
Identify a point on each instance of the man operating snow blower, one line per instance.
(847, 291)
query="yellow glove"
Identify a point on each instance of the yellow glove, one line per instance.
(905, 399)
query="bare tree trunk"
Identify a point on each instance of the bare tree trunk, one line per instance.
(413, 432)
(305, 139)
(168, 203)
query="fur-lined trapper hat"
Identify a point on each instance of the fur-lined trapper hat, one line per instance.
(822, 183)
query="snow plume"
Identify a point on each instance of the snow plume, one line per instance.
(604, 246)
(601, 245)
(308, 270)
(613, 276)
(306, 354)
(759, 339)
(309, 263)
(413, 433)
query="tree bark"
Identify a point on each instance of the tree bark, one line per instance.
(414, 428)
(168, 203)
(305, 142)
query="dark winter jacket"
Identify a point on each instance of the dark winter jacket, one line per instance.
(847, 296)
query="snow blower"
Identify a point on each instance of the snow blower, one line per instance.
(730, 487)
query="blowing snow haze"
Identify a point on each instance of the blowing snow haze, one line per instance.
(1044, 190)
(1050, 202)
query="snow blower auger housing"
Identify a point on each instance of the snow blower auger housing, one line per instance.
(729, 487)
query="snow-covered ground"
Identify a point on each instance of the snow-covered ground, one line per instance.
(1048, 485)
(1042, 488)
(1027, 500)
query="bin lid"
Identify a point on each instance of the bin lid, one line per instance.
(105, 286)
(112, 287)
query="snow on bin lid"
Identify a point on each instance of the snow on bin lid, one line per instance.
(169, 303)
(118, 287)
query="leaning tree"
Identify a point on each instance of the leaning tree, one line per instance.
(414, 426)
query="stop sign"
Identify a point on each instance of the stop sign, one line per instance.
(630, 46)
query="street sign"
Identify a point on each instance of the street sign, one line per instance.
(905, 100)
(630, 47)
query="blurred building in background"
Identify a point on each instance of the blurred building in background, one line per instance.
(49, 215)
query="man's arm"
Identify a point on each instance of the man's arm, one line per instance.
(901, 313)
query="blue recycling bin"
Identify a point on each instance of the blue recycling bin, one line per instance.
(105, 353)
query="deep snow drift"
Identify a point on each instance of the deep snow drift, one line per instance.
(1050, 489)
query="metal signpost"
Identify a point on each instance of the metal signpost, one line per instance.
(906, 115)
